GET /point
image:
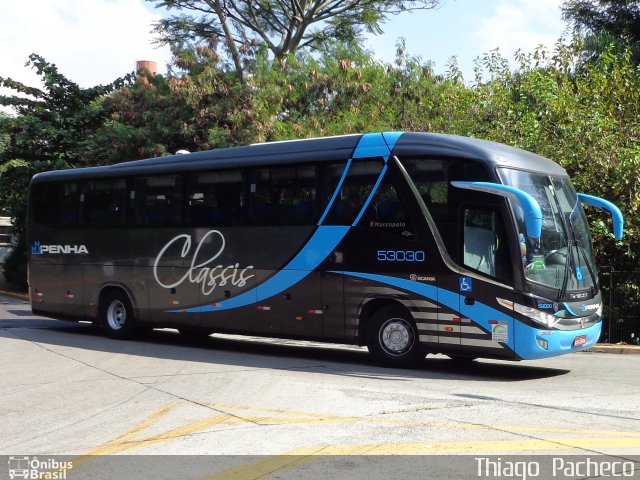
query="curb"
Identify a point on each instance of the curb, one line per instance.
(607, 348)
(18, 295)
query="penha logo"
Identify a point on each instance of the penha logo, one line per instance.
(39, 249)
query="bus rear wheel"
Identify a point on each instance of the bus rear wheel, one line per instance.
(392, 338)
(116, 315)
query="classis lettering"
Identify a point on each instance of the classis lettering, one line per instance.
(202, 271)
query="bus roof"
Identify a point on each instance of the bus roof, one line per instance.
(320, 149)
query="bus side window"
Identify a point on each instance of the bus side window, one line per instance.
(355, 190)
(283, 195)
(215, 199)
(386, 212)
(484, 242)
(103, 202)
(158, 201)
(56, 204)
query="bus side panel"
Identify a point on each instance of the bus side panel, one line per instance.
(48, 286)
(485, 330)
(166, 305)
(333, 318)
(297, 311)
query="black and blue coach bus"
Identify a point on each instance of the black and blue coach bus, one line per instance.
(408, 243)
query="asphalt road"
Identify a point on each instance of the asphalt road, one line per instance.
(67, 390)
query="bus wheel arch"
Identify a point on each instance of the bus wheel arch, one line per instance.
(390, 333)
(116, 314)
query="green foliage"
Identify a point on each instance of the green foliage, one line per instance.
(604, 23)
(583, 115)
(14, 182)
(201, 107)
(53, 121)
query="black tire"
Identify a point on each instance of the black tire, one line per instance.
(116, 315)
(392, 338)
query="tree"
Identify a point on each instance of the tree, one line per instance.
(201, 108)
(48, 132)
(606, 22)
(282, 27)
(51, 122)
(621, 18)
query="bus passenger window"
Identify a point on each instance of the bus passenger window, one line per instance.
(215, 199)
(56, 204)
(386, 212)
(283, 195)
(355, 190)
(103, 202)
(158, 201)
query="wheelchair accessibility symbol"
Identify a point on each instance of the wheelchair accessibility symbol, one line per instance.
(466, 284)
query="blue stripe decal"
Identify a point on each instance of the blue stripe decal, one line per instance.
(570, 311)
(371, 145)
(335, 194)
(391, 138)
(443, 297)
(320, 245)
(324, 240)
(373, 191)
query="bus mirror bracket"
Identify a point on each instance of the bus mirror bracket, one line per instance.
(616, 214)
(531, 208)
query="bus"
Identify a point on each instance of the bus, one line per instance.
(408, 243)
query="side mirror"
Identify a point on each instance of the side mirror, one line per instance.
(616, 214)
(531, 208)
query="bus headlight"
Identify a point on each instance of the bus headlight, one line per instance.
(536, 315)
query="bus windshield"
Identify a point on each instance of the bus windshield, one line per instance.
(562, 258)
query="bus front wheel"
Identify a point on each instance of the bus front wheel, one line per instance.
(392, 338)
(116, 315)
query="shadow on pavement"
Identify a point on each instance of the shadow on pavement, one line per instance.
(255, 352)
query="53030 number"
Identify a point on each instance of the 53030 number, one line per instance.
(401, 256)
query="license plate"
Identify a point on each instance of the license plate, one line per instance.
(579, 341)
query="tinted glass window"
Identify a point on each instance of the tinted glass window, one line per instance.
(55, 204)
(283, 195)
(215, 199)
(484, 243)
(355, 190)
(157, 201)
(386, 212)
(103, 202)
(432, 178)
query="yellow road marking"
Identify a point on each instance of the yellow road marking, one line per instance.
(268, 466)
(295, 416)
(132, 439)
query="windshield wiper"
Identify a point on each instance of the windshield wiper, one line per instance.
(567, 269)
(574, 242)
